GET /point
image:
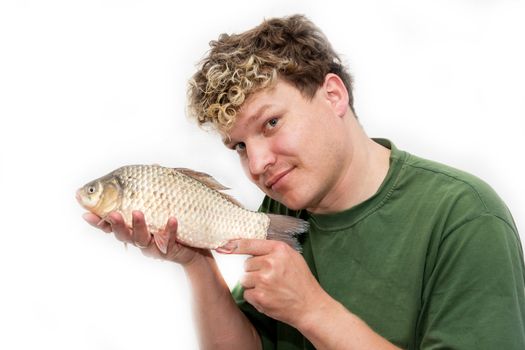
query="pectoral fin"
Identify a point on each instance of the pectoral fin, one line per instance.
(161, 239)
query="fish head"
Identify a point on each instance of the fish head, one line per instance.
(100, 196)
(89, 195)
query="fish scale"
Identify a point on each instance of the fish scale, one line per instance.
(186, 198)
(206, 217)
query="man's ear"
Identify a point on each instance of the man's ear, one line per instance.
(336, 93)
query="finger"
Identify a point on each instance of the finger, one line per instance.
(172, 227)
(253, 297)
(140, 235)
(253, 247)
(121, 231)
(94, 221)
(151, 251)
(255, 263)
(248, 280)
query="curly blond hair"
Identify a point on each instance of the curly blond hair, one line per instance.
(238, 65)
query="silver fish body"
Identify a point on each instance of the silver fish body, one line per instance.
(207, 218)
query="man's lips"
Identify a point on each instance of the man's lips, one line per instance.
(275, 178)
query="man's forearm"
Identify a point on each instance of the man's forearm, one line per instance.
(333, 327)
(220, 323)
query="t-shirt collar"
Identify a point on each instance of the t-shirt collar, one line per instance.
(351, 216)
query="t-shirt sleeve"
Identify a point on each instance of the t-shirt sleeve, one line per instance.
(475, 296)
(265, 326)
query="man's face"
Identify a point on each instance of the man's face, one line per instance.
(291, 147)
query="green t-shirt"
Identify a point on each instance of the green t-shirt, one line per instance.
(432, 261)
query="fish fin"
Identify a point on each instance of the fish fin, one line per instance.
(209, 181)
(206, 179)
(161, 239)
(102, 221)
(286, 229)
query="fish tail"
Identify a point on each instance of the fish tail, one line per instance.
(286, 229)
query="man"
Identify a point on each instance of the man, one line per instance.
(402, 252)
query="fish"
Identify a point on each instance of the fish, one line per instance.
(207, 217)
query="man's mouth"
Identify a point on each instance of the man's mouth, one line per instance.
(274, 179)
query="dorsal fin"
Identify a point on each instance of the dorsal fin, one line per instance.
(206, 179)
(209, 181)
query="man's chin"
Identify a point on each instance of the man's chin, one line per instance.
(291, 203)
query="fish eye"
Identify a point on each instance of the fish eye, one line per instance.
(91, 189)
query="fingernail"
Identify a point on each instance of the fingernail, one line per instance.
(228, 247)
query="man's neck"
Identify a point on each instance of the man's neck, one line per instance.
(361, 177)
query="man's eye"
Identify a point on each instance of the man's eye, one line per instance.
(240, 147)
(272, 123)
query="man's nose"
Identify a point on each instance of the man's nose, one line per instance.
(260, 157)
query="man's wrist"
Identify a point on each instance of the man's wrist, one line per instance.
(317, 312)
(197, 263)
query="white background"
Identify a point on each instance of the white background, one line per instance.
(89, 86)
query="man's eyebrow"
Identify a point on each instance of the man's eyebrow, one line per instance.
(258, 112)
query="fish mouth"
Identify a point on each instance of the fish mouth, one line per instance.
(77, 196)
(79, 199)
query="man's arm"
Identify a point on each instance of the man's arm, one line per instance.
(332, 326)
(220, 323)
(279, 284)
(475, 296)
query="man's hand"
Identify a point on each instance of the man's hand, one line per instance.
(139, 236)
(277, 281)
(279, 284)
